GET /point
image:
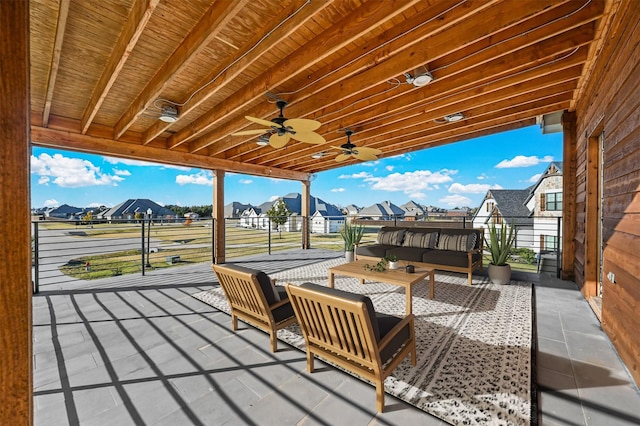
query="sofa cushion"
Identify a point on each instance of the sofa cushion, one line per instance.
(409, 254)
(457, 242)
(449, 258)
(390, 237)
(374, 250)
(420, 239)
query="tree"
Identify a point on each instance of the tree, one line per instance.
(279, 214)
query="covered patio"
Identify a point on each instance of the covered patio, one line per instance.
(173, 82)
(142, 350)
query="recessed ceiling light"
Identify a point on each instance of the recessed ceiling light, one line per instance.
(454, 117)
(419, 80)
(169, 114)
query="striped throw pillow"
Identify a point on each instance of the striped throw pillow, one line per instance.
(390, 238)
(420, 239)
(453, 242)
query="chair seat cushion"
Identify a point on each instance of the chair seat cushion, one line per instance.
(283, 312)
(449, 258)
(385, 324)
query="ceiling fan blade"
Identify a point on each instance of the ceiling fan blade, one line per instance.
(252, 132)
(308, 137)
(302, 124)
(342, 157)
(367, 150)
(278, 141)
(365, 156)
(261, 121)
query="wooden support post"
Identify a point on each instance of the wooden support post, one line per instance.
(306, 208)
(218, 217)
(569, 187)
(16, 351)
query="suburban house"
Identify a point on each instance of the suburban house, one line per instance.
(326, 217)
(413, 211)
(137, 208)
(235, 209)
(507, 206)
(385, 210)
(351, 210)
(93, 78)
(63, 211)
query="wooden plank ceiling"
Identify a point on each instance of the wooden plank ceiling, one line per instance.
(101, 72)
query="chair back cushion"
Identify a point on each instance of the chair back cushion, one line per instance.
(266, 285)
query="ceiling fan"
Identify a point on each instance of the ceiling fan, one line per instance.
(360, 153)
(283, 129)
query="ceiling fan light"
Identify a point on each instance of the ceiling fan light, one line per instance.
(262, 142)
(318, 155)
(454, 117)
(169, 114)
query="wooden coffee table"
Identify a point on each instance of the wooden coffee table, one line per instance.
(389, 276)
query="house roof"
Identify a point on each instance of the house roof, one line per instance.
(132, 206)
(96, 88)
(553, 169)
(511, 204)
(234, 209)
(385, 208)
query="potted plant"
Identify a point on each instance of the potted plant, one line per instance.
(351, 234)
(392, 261)
(499, 245)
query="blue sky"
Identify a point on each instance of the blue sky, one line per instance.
(454, 175)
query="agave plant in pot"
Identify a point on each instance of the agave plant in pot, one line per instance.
(499, 245)
(351, 234)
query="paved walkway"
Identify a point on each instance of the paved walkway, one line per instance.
(140, 350)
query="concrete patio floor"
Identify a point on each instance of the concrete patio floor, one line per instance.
(134, 350)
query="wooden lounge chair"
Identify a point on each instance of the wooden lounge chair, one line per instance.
(344, 329)
(254, 298)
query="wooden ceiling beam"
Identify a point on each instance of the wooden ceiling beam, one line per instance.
(105, 146)
(424, 126)
(61, 26)
(439, 45)
(498, 100)
(343, 32)
(214, 20)
(400, 37)
(136, 23)
(532, 62)
(274, 33)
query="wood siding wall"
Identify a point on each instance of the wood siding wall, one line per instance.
(611, 103)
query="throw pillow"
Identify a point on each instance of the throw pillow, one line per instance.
(420, 239)
(453, 242)
(390, 238)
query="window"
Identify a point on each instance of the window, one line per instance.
(553, 201)
(490, 206)
(550, 242)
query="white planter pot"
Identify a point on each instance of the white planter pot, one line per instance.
(349, 256)
(393, 265)
(499, 274)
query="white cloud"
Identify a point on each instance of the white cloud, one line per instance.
(245, 181)
(51, 203)
(483, 177)
(417, 195)
(534, 178)
(122, 172)
(70, 172)
(455, 200)
(410, 182)
(370, 163)
(338, 190)
(390, 168)
(472, 188)
(273, 198)
(200, 178)
(522, 161)
(141, 163)
(44, 180)
(361, 175)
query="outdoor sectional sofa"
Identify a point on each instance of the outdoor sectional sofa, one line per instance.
(446, 249)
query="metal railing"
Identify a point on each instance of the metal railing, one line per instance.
(68, 250)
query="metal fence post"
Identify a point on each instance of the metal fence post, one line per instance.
(35, 252)
(558, 251)
(269, 233)
(213, 240)
(142, 251)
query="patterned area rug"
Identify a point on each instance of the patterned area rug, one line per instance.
(473, 343)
